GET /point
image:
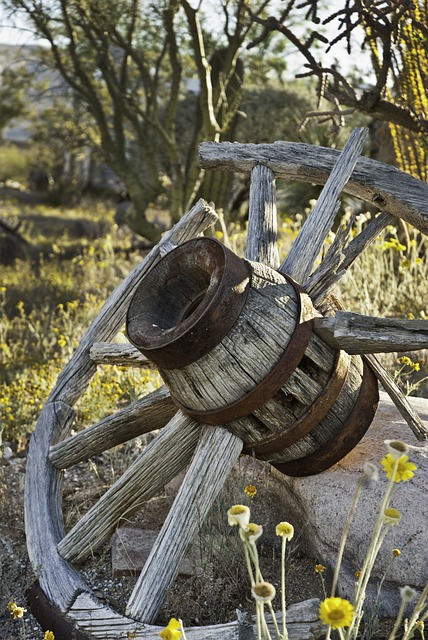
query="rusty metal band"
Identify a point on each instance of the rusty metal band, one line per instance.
(50, 617)
(274, 380)
(311, 417)
(350, 434)
(219, 308)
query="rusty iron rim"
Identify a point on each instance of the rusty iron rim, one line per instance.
(349, 436)
(277, 376)
(208, 318)
(312, 416)
(49, 617)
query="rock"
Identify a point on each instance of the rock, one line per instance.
(131, 548)
(318, 506)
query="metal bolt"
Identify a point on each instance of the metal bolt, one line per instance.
(379, 200)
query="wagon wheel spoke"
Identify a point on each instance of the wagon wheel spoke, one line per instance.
(339, 258)
(214, 457)
(308, 244)
(262, 239)
(142, 416)
(159, 463)
(124, 355)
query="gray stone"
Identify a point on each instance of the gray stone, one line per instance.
(318, 506)
(130, 549)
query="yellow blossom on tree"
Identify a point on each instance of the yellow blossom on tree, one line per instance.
(404, 469)
(336, 612)
(172, 631)
(285, 530)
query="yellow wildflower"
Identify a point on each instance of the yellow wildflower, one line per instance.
(336, 612)
(18, 612)
(416, 366)
(404, 469)
(49, 635)
(172, 631)
(396, 553)
(250, 490)
(285, 530)
(238, 514)
(319, 568)
(263, 591)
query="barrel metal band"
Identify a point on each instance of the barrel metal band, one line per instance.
(311, 417)
(277, 376)
(350, 433)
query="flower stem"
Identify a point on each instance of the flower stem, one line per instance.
(349, 519)
(417, 610)
(283, 611)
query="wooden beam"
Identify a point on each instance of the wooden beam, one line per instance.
(159, 463)
(212, 462)
(360, 334)
(123, 355)
(308, 244)
(380, 184)
(142, 416)
(262, 219)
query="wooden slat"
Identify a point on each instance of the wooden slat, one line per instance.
(399, 399)
(262, 219)
(102, 623)
(144, 415)
(359, 334)
(339, 258)
(159, 463)
(43, 514)
(217, 451)
(375, 182)
(308, 244)
(125, 355)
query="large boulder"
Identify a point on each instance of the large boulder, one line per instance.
(319, 505)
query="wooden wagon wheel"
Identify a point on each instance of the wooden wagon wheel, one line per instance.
(209, 453)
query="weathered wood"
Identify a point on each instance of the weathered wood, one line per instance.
(308, 244)
(124, 355)
(75, 377)
(43, 514)
(212, 462)
(247, 354)
(262, 218)
(358, 334)
(102, 623)
(142, 416)
(339, 258)
(399, 399)
(375, 182)
(159, 463)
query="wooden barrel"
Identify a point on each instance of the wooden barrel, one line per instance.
(234, 343)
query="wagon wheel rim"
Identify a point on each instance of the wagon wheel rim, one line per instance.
(60, 581)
